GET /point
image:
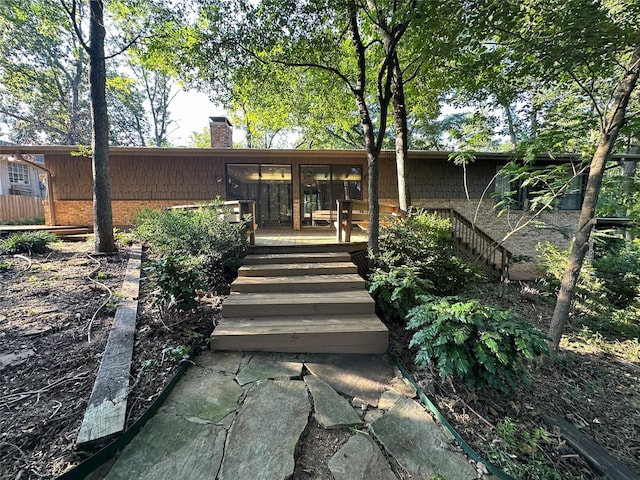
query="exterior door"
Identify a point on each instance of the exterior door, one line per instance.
(322, 185)
(269, 186)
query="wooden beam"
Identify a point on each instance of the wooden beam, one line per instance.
(106, 412)
(597, 456)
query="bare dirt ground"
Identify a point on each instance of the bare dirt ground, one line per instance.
(48, 366)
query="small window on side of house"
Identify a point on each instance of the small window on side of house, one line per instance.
(18, 174)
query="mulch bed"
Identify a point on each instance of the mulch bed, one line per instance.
(49, 304)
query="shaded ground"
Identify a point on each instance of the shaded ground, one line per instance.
(48, 365)
(594, 384)
(48, 368)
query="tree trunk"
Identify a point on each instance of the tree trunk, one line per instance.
(372, 147)
(102, 213)
(400, 120)
(608, 135)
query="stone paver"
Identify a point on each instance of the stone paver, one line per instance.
(269, 366)
(211, 427)
(360, 459)
(419, 445)
(170, 446)
(388, 399)
(331, 410)
(262, 440)
(204, 395)
(362, 376)
(227, 362)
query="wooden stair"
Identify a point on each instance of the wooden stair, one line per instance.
(301, 301)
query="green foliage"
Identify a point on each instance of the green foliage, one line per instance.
(474, 342)
(172, 281)
(397, 291)
(619, 270)
(215, 246)
(27, 242)
(24, 221)
(178, 353)
(608, 290)
(517, 452)
(422, 241)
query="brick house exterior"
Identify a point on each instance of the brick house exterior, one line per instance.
(288, 186)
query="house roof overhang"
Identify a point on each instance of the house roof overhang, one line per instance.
(284, 153)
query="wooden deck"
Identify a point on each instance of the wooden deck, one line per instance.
(306, 236)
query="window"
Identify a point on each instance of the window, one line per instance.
(512, 195)
(322, 185)
(18, 173)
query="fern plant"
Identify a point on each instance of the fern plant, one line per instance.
(474, 342)
(397, 291)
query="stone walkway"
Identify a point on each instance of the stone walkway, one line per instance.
(236, 416)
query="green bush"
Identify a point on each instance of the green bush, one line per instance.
(619, 271)
(397, 291)
(423, 242)
(474, 342)
(27, 242)
(24, 221)
(172, 282)
(215, 246)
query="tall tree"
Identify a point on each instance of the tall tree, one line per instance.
(43, 67)
(338, 39)
(588, 47)
(609, 132)
(102, 210)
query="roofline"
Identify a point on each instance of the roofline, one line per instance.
(278, 153)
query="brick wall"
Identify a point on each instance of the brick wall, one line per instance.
(80, 212)
(523, 235)
(438, 183)
(221, 132)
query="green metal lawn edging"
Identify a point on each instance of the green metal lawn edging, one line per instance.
(102, 456)
(436, 413)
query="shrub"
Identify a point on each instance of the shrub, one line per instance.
(215, 246)
(474, 342)
(172, 282)
(423, 241)
(619, 271)
(397, 291)
(27, 242)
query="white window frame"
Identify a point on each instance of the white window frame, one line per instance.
(19, 174)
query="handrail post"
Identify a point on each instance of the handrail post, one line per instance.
(339, 221)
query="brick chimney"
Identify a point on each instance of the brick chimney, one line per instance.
(221, 132)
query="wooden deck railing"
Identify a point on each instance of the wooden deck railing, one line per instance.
(233, 211)
(477, 242)
(356, 212)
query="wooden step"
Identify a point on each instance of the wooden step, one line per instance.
(290, 258)
(285, 269)
(308, 248)
(286, 304)
(359, 334)
(299, 283)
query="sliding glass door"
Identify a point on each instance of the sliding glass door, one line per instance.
(322, 185)
(269, 186)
